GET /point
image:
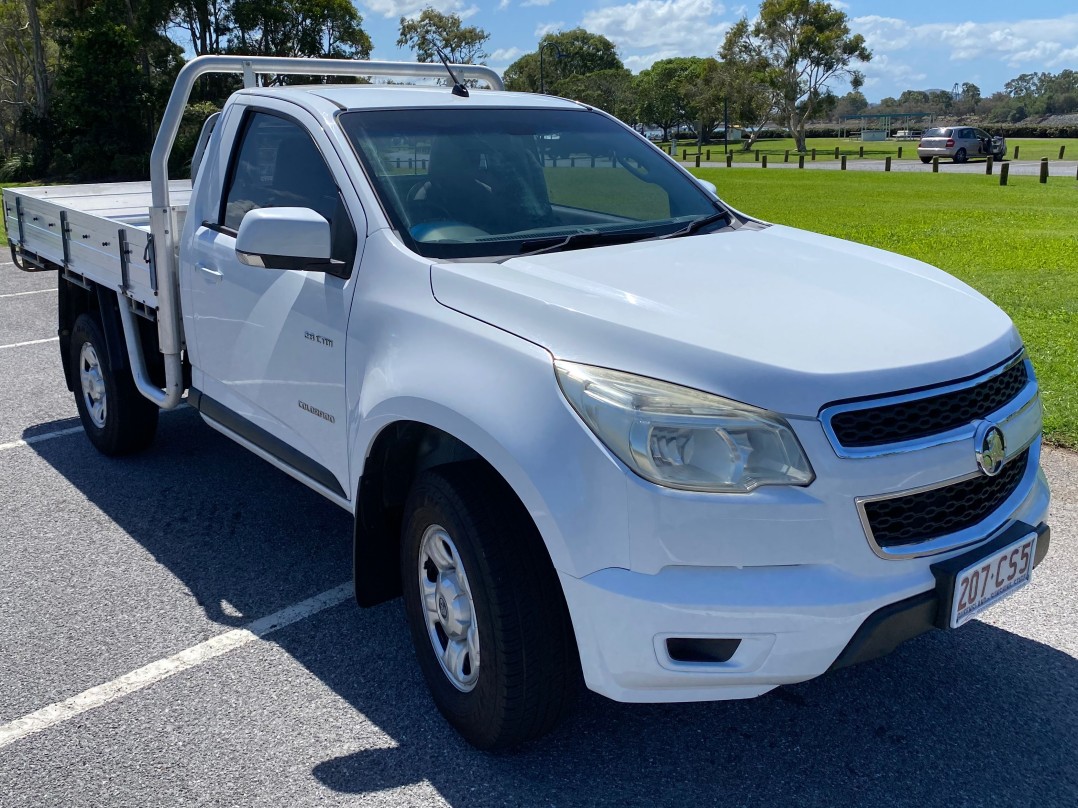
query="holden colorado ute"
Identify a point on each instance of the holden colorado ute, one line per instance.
(594, 424)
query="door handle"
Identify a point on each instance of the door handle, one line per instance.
(215, 274)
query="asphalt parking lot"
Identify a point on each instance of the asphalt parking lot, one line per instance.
(142, 574)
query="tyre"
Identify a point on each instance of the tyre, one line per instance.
(926, 160)
(487, 616)
(117, 418)
(960, 156)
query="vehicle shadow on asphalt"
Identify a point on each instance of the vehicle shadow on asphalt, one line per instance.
(978, 716)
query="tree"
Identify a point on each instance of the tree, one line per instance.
(971, 94)
(331, 29)
(805, 44)
(207, 23)
(662, 93)
(748, 86)
(432, 30)
(608, 90)
(116, 70)
(565, 53)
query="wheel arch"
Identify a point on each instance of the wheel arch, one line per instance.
(398, 449)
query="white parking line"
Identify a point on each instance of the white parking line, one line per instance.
(189, 658)
(59, 433)
(34, 292)
(31, 342)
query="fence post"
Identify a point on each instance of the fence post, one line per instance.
(1061, 150)
(814, 155)
(593, 161)
(899, 152)
(887, 163)
(844, 162)
(800, 161)
(698, 159)
(1044, 170)
(988, 165)
(936, 164)
(757, 155)
(1004, 170)
(861, 151)
(763, 163)
(572, 162)
(836, 152)
(709, 155)
(1015, 152)
(786, 159)
(729, 160)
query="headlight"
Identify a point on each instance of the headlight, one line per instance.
(681, 438)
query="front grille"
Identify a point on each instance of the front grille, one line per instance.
(916, 518)
(924, 417)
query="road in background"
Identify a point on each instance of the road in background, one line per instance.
(110, 565)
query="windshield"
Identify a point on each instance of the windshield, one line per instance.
(463, 183)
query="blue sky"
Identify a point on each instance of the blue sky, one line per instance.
(916, 45)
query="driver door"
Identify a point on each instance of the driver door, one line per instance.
(271, 342)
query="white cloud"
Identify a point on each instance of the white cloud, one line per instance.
(528, 3)
(548, 28)
(1018, 43)
(690, 26)
(503, 5)
(506, 55)
(412, 8)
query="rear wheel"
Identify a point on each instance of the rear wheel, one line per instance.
(487, 616)
(926, 160)
(117, 418)
(960, 156)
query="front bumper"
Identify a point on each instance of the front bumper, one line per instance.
(794, 622)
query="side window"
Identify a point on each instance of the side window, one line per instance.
(278, 165)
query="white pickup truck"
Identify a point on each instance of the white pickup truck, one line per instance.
(593, 423)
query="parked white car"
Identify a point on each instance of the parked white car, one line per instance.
(593, 422)
(959, 143)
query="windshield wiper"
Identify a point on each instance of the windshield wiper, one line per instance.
(696, 225)
(581, 240)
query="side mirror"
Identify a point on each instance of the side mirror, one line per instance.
(709, 187)
(284, 238)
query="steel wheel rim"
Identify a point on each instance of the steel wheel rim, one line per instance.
(448, 608)
(93, 385)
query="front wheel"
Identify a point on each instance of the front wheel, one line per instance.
(117, 419)
(486, 612)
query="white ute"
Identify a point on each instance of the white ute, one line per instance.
(593, 423)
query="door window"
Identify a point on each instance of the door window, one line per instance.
(278, 165)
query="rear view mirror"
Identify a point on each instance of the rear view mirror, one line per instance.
(284, 238)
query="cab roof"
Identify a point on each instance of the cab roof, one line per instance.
(383, 96)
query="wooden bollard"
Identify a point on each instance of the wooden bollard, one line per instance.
(572, 162)
(988, 165)
(1015, 152)
(1061, 150)
(763, 163)
(757, 155)
(861, 151)
(709, 155)
(698, 159)
(843, 162)
(899, 152)
(800, 161)
(814, 155)
(786, 159)
(1004, 170)
(593, 161)
(729, 160)
(836, 152)
(936, 164)
(1044, 170)
(887, 163)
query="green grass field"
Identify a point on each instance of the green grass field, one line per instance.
(1018, 245)
(1028, 149)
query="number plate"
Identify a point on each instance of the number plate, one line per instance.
(981, 584)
